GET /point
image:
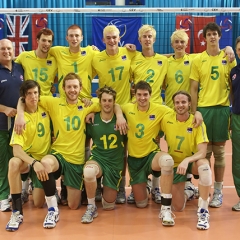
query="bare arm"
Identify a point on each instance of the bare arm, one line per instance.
(200, 154)
(8, 111)
(230, 53)
(20, 124)
(194, 95)
(121, 123)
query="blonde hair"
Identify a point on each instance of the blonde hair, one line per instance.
(110, 28)
(146, 28)
(179, 33)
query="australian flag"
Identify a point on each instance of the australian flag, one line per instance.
(18, 32)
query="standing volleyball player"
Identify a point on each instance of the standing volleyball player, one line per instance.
(210, 95)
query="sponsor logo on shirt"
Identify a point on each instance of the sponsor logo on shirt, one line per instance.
(132, 113)
(80, 108)
(152, 117)
(234, 76)
(64, 52)
(169, 122)
(83, 53)
(21, 77)
(224, 62)
(124, 57)
(189, 130)
(49, 62)
(137, 63)
(4, 80)
(204, 60)
(44, 114)
(159, 63)
(186, 63)
(101, 60)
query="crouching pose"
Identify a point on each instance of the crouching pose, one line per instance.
(188, 145)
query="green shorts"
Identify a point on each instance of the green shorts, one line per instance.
(140, 168)
(73, 173)
(112, 175)
(33, 176)
(177, 178)
(216, 120)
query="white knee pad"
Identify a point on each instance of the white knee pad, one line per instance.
(166, 164)
(142, 204)
(205, 175)
(90, 172)
(108, 206)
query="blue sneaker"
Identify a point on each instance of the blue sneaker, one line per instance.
(15, 221)
(51, 218)
(90, 214)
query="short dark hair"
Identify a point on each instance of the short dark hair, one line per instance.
(72, 76)
(143, 86)
(183, 93)
(45, 31)
(107, 90)
(26, 85)
(212, 26)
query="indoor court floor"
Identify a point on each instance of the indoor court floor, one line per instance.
(127, 222)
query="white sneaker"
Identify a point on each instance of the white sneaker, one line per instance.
(203, 219)
(90, 214)
(217, 199)
(189, 190)
(51, 218)
(5, 206)
(156, 195)
(167, 216)
(15, 220)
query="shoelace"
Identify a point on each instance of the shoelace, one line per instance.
(167, 212)
(13, 218)
(50, 216)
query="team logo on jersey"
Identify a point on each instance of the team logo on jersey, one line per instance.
(21, 77)
(115, 128)
(49, 62)
(204, 60)
(234, 76)
(4, 80)
(83, 53)
(159, 63)
(80, 108)
(189, 130)
(169, 122)
(224, 62)
(138, 63)
(101, 60)
(132, 113)
(124, 57)
(152, 117)
(186, 63)
(44, 114)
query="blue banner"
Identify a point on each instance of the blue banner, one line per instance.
(2, 19)
(128, 27)
(225, 22)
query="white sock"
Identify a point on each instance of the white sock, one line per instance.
(91, 201)
(52, 202)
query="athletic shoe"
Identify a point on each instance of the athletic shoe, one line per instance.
(98, 195)
(15, 220)
(156, 195)
(24, 197)
(130, 198)
(149, 185)
(196, 193)
(217, 199)
(10, 198)
(51, 218)
(203, 219)
(236, 207)
(90, 214)
(30, 188)
(189, 190)
(5, 206)
(167, 216)
(121, 196)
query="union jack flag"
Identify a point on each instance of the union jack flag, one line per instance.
(18, 32)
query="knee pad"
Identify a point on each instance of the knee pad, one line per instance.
(166, 164)
(87, 153)
(90, 172)
(108, 206)
(142, 204)
(219, 155)
(209, 151)
(205, 175)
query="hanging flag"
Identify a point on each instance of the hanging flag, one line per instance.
(185, 22)
(39, 21)
(199, 43)
(2, 18)
(128, 27)
(18, 32)
(225, 22)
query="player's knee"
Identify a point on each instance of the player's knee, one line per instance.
(205, 175)
(107, 205)
(90, 172)
(178, 208)
(219, 155)
(166, 164)
(142, 204)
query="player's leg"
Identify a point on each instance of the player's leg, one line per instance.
(109, 197)
(91, 171)
(163, 162)
(25, 195)
(16, 167)
(179, 198)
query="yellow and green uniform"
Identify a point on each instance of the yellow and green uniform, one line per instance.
(79, 63)
(152, 70)
(42, 70)
(212, 74)
(36, 138)
(143, 126)
(69, 127)
(182, 138)
(177, 77)
(113, 71)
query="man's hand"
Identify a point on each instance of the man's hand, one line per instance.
(87, 102)
(121, 125)
(10, 112)
(95, 48)
(182, 167)
(197, 120)
(230, 53)
(19, 124)
(130, 47)
(90, 118)
(40, 170)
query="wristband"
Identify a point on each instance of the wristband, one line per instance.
(34, 161)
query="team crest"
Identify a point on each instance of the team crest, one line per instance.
(224, 62)
(49, 62)
(186, 63)
(152, 117)
(115, 128)
(159, 63)
(189, 130)
(80, 108)
(83, 53)
(124, 57)
(44, 114)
